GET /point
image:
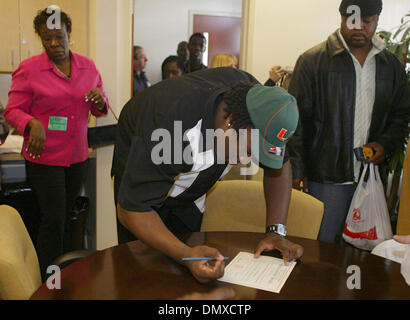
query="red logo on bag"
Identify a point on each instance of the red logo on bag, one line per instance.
(356, 214)
(370, 234)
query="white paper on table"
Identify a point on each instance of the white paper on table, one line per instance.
(13, 144)
(264, 273)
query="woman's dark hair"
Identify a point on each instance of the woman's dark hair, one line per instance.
(171, 59)
(42, 17)
(235, 100)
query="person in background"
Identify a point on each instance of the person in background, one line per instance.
(183, 52)
(49, 102)
(351, 92)
(4, 128)
(224, 60)
(139, 63)
(278, 76)
(171, 67)
(196, 47)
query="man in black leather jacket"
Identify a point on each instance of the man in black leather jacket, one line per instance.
(351, 92)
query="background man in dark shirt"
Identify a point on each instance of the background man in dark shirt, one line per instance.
(139, 63)
(351, 93)
(183, 52)
(196, 47)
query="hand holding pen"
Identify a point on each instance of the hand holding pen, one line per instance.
(208, 269)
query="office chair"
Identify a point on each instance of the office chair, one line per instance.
(19, 267)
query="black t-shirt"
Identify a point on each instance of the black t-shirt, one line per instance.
(179, 187)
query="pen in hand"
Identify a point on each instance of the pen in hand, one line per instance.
(201, 258)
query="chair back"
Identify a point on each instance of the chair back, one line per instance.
(19, 267)
(239, 205)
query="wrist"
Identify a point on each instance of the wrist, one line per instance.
(101, 107)
(274, 235)
(185, 252)
(30, 125)
(279, 229)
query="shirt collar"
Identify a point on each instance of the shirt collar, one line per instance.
(47, 64)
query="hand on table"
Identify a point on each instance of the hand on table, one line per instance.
(290, 251)
(96, 96)
(217, 294)
(301, 184)
(402, 239)
(206, 271)
(37, 138)
(379, 153)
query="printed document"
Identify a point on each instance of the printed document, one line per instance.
(264, 273)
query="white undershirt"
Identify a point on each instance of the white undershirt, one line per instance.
(365, 96)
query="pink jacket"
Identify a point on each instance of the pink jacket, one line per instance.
(39, 90)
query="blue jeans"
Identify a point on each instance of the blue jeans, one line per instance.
(337, 199)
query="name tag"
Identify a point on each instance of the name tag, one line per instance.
(57, 123)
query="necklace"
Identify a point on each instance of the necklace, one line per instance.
(68, 77)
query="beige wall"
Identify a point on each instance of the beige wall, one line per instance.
(277, 32)
(110, 48)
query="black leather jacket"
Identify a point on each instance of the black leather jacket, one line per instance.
(324, 84)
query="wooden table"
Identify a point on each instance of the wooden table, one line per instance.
(135, 271)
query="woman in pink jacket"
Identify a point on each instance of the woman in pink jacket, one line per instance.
(49, 103)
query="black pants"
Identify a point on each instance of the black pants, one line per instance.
(56, 189)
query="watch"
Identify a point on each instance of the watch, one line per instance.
(280, 229)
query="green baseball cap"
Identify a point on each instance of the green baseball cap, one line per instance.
(274, 113)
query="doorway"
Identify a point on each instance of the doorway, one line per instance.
(224, 33)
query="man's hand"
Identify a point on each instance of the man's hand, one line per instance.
(286, 82)
(206, 271)
(290, 251)
(402, 239)
(96, 96)
(37, 138)
(276, 73)
(379, 154)
(301, 184)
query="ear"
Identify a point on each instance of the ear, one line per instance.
(228, 122)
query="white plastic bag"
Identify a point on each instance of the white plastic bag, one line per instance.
(368, 222)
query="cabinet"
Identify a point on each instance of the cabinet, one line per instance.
(18, 38)
(9, 35)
